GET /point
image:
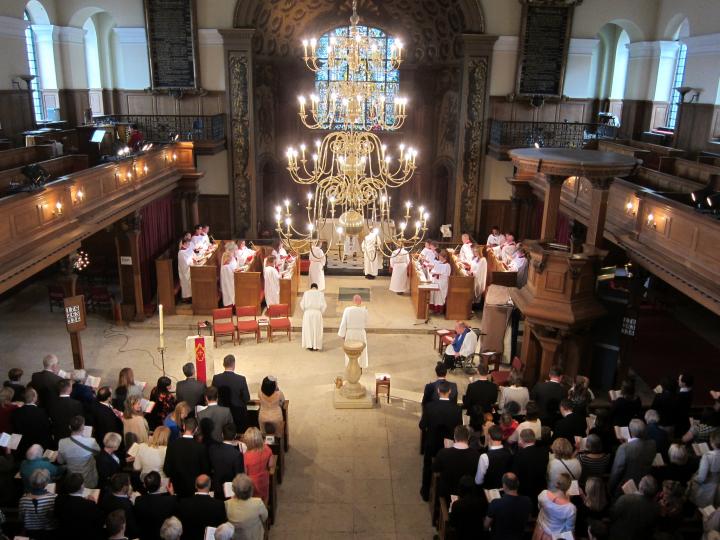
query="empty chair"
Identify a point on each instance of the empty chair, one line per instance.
(223, 324)
(279, 319)
(249, 325)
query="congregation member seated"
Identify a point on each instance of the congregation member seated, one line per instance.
(35, 461)
(480, 397)
(151, 455)
(507, 516)
(633, 515)
(246, 513)
(532, 422)
(32, 422)
(430, 392)
(108, 462)
(704, 486)
(556, 513)
(14, 376)
(104, 418)
(45, 382)
(81, 391)
(562, 462)
(77, 453)
(117, 497)
(226, 460)
(185, 460)
(654, 432)
(171, 529)
(452, 351)
(530, 465)
(580, 395)
(514, 391)
(37, 508)
(593, 461)
(77, 516)
(465, 510)
(271, 404)
(153, 508)
(548, 395)
(256, 460)
(571, 424)
(233, 392)
(495, 462)
(62, 409)
(633, 458)
(135, 427)
(164, 402)
(455, 462)
(214, 416)
(175, 419)
(200, 509)
(191, 390)
(627, 406)
(592, 505)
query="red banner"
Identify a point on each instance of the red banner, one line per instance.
(200, 359)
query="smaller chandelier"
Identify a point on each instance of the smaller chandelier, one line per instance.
(352, 106)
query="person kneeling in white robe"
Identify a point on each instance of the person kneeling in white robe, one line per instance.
(313, 305)
(352, 328)
(272, 282)
(399, 262)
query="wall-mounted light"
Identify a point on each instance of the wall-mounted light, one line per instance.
(79, 196)
(651, 221)
(145, 169)
(630, 208)
(58, 209)
(129, 175)
(708, 200)
(174, 156)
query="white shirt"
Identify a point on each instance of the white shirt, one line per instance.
(428, 255)
(466, 253)
(495, 239)
(483, 465)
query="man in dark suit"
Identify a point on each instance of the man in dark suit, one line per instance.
(32, 422)
(185, 460)
(200, 510)
(654, 432)
(683, 402)
(77, 516)
(191, 391)
(548, 396)
(455, 462)
(103, 417)
(233, 392)
(570, 425)
(633, 459)
(154, 507)
(438, 422)
(507, 516)
(480, 397)
(63, 409)
(45, 382)
(119, 499)
(530, 466)
(226, 460)
(634, 516)
(214, 416)
(431, 394)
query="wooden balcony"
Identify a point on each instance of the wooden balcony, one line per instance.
(41, 227)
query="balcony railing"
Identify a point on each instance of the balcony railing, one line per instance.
(506, 135)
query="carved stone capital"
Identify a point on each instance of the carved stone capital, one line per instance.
(602, 183)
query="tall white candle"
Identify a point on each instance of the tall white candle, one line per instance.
(162, 328)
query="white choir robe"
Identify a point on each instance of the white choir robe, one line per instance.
(478, 267)
(316, 273)
(201, 242)
(280, 254)
(437, 298)
(372, 255)
(227, 281)
(185, 261)
(313, 305)
(352, 328)
(272, 285)
(466, 253)
(495, 240)
(507, 252)
(399, 262)
(243, 255)
(428, 255)
(519, 265)
(350, 245)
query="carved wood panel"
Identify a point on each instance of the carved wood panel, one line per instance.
(238, 66)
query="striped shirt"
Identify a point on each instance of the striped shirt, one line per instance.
(37, 512)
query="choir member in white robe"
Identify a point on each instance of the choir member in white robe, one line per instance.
(399, 262)
(466, 251)
(495, 238)
(316, 272)
(272, 282)
(441, 276)
(428, 254)
(227, 274)
(244, 254)
(350, 246)
(185, 261)
(279, 253)
(372, 256)
(509, 243)
(352, 328)
(478, 268)
(313, 305)
(200, 242)
(519, 265)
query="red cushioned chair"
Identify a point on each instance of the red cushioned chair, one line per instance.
(223, 324)
(247, 326)
(501, 377)
(279, 319)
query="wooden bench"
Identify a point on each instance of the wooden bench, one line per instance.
(17, 157)
(445, 530)
(55, 167)
(273, 491)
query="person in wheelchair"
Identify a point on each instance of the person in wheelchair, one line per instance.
(455, 352)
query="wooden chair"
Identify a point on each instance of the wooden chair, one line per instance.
(223, 324)
(433, 501)
(502, 377)
(56, 296)
(247, 326)
(100, 297)
(286, 416)
(279, 320)
(273, 491)
(445, 530)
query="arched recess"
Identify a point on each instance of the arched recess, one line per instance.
(92, 66)
(441, 200)
(671, 75)
(37, 12)
(612, 67)
(41, 58)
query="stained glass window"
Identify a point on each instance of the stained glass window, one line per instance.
(381, 79)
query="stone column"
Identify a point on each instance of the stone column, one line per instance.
(551, 207)
(598, 210)
(238, 54)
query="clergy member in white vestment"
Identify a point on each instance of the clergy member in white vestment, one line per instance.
(399, 262)
(428, 254)
(441, 275)
(227, 274)
(372, 255)
(350, 246)
(495, 238)
(185, 261)
(272, 282)
(352, 328)
(316, 272)
(478, 268)
(244, 254)
(466, 252)
(313, 305)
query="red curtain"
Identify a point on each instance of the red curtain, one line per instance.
(562, 231)
(158, 231)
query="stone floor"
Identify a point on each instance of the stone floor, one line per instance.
(350, 473)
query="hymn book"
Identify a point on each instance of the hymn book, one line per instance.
(87, 431)
(630, 487)
(10, 441)
(658, 389)
(133, 450)
(622, 433)
(590, 421)
(581, 443)
(574, 490)
(707, 511)
(63, 374)
(141, 384)
(700, 449)
(209, 533)
(492, 494)
(93, 381)
(228, 490)
(658, 461)
(567, 535)
(50, 455)
(146, 405)
(447, 443)
(614, 394)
